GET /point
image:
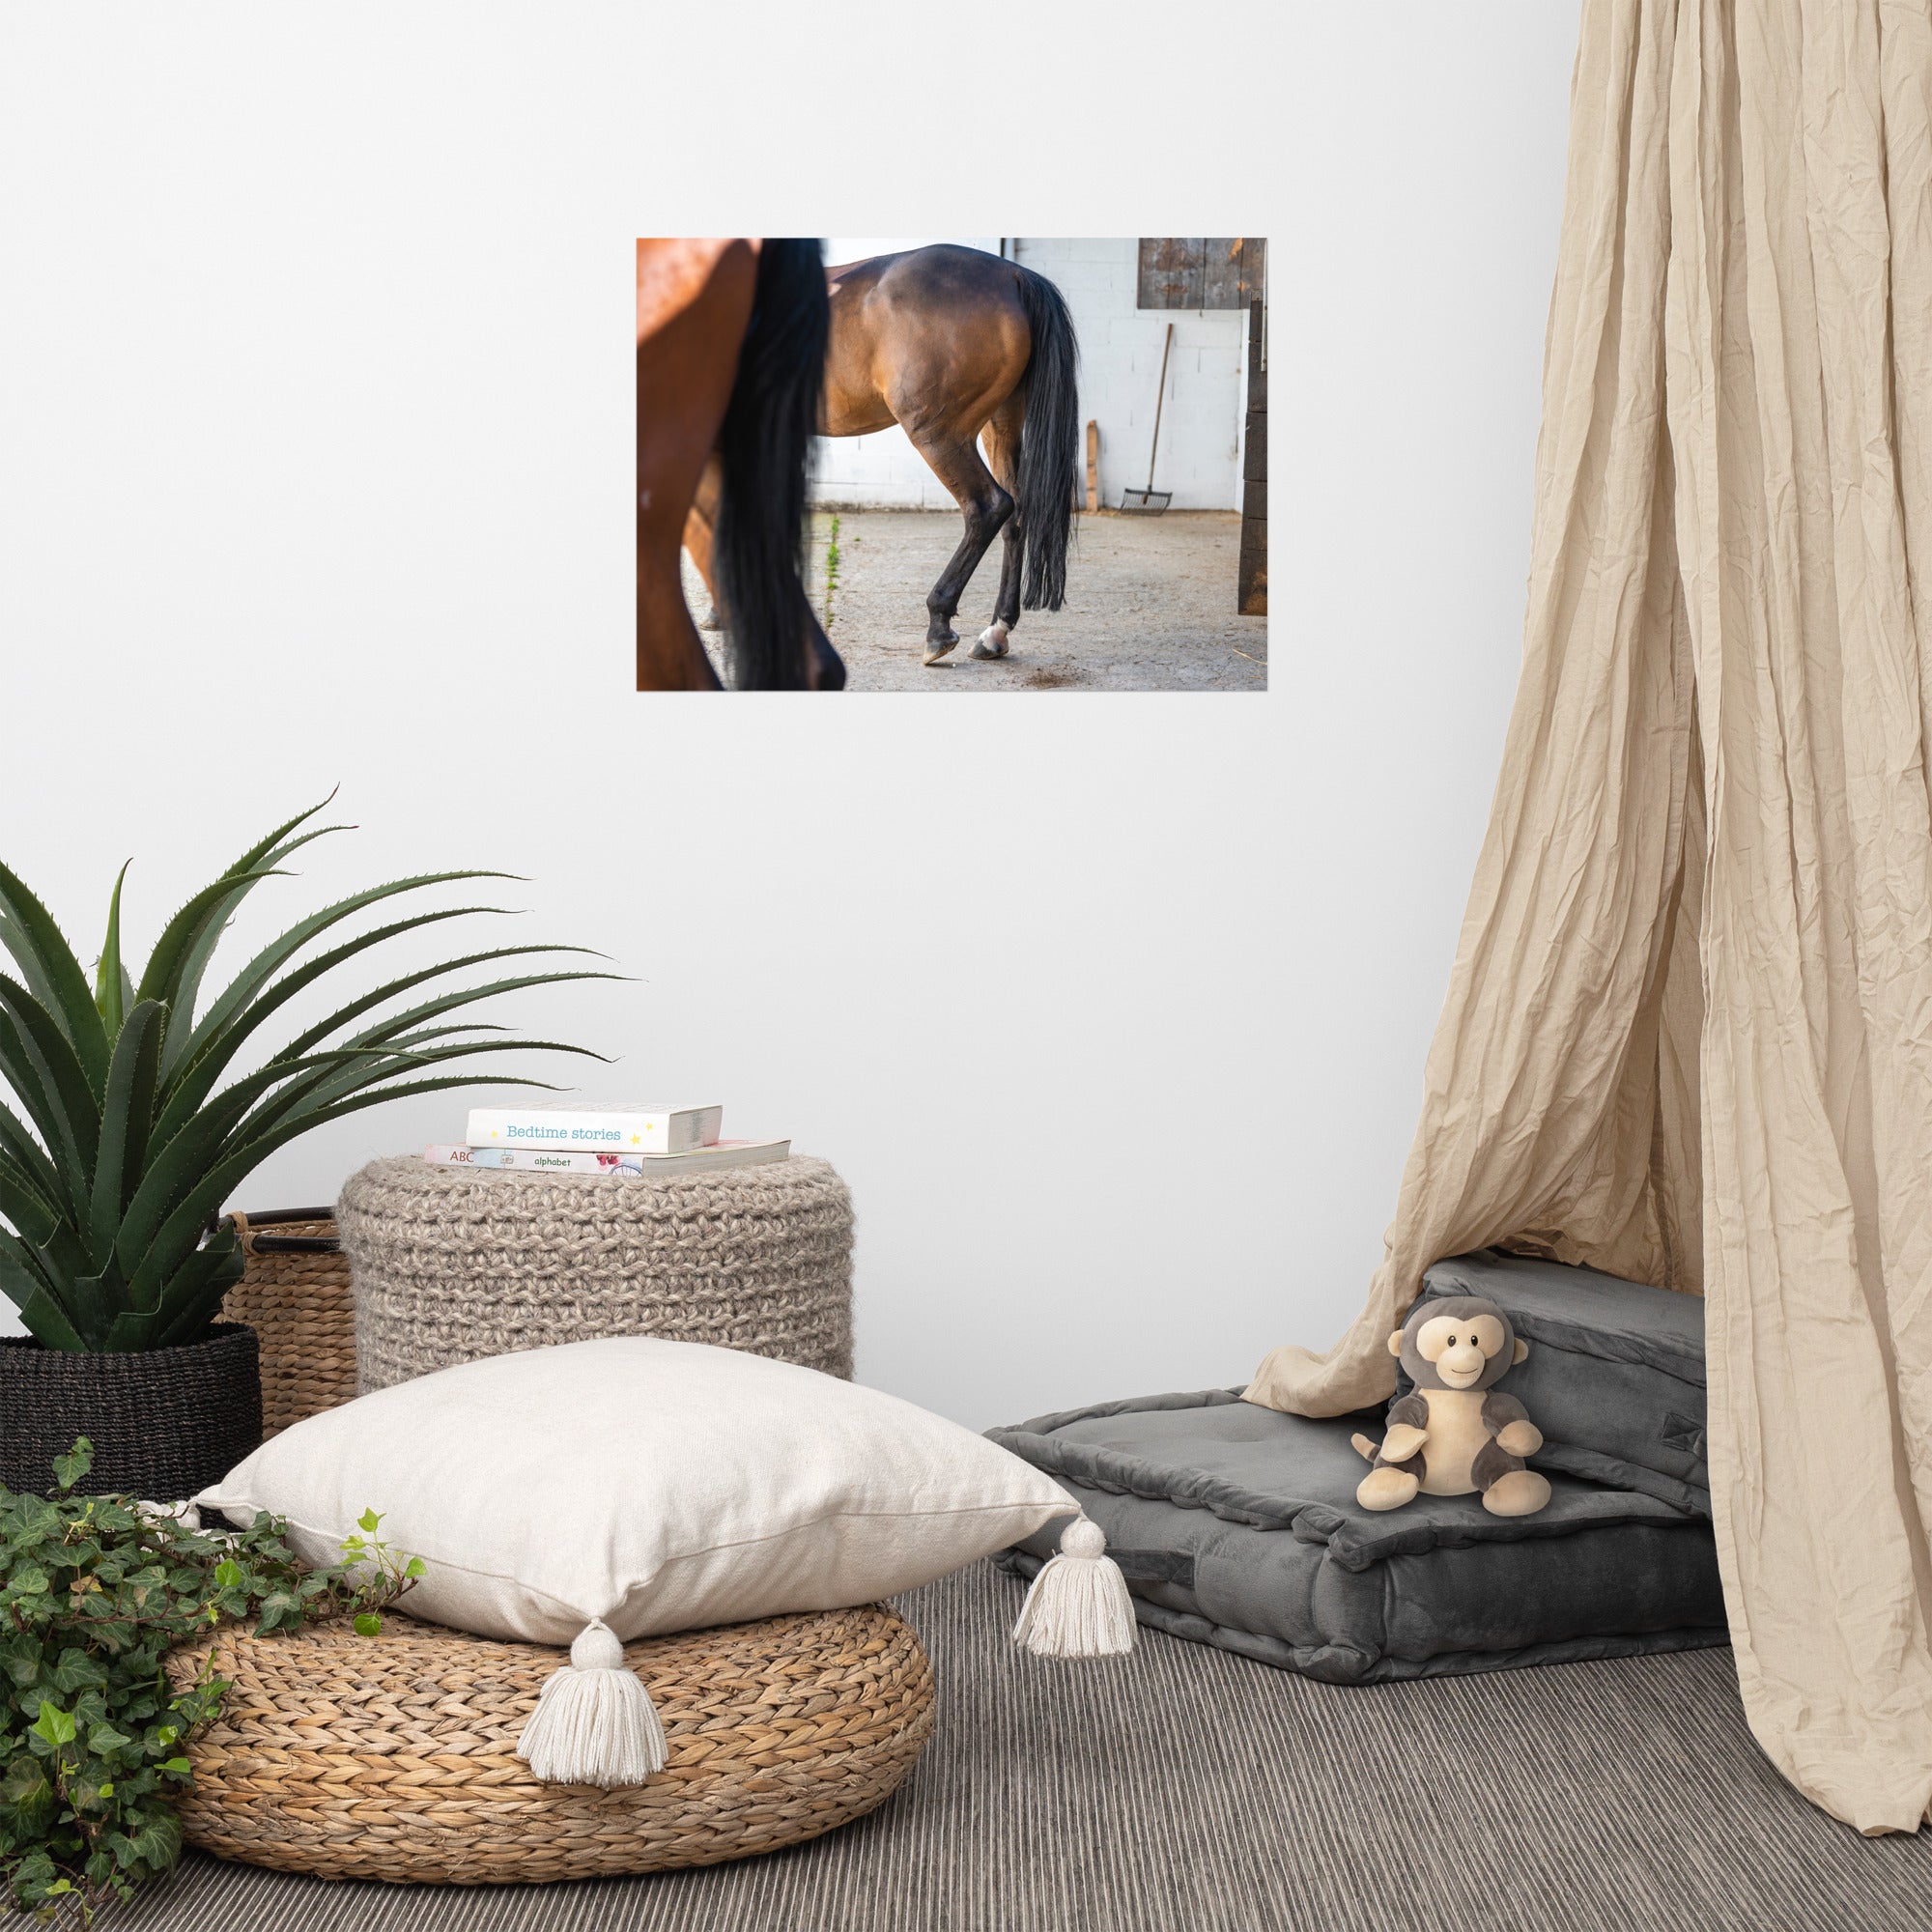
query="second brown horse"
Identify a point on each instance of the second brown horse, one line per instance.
(731, 367)
(954, 345)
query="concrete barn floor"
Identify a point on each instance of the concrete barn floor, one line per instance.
(1149, 606)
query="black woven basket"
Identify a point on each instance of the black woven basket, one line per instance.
(164, 1422)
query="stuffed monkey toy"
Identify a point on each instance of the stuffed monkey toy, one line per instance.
(1456, 1434)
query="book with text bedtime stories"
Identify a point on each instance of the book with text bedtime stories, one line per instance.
(596, 1130)
(540, 1160)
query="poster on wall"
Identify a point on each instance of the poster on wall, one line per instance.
(952, 464)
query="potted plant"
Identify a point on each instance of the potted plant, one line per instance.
(94, 1719)
(129, 1126)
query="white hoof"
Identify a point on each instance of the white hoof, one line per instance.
(992, 641)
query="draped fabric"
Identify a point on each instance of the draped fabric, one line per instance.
(1689, 1030)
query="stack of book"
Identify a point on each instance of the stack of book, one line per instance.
(602, 1140)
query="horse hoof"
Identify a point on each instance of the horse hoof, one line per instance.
(992, 643)
(935, 652)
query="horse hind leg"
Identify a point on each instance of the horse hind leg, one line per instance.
(985, 507)
(1002, 454)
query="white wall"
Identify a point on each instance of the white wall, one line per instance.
(1120, 355)
(1121, 368)
(315, 444)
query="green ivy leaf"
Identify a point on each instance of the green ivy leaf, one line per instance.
(415, 1567)
(85, 1794)
(24, 1784)
(75, 1670)
(69, 1468)
(21, 1660)
(93, 1597)
(53, 1726)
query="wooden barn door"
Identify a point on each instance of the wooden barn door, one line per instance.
(1254, 569)
(1225, 271)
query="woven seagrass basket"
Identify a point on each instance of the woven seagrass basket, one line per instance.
(295, 1295)
(394, 1757)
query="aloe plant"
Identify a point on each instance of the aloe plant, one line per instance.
(125, 1141)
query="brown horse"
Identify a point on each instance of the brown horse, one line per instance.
(731, 368)
(953, 344)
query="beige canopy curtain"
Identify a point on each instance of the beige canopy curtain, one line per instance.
(1688, 1032)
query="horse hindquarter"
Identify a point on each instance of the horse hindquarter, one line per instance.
(694, 304)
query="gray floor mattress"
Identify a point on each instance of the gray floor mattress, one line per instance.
(1615, 1374)
(1237, 1526)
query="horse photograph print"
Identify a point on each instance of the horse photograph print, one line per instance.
(834, 438)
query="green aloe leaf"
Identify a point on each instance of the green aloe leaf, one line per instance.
(47, 964)
(264, 857)
(161, 979)
(323, 1087)
(34, 1216)
(95, 1301)
(197, 1145)
(214, 1045)
(272, 958)
(126, 1113)
(191, 1297)
(20, 1072)
(47, 1322)
(445, 1002)
(73, 1121)
(131, 1331)
(18, 1146)
(385, 1031)
(25, 1283)
(110, 976)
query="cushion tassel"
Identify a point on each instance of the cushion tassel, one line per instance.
(594, 1722)
(1078, 1605)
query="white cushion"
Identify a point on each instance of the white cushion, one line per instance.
(655, 1486)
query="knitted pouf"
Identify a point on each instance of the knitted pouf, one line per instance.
(394, 1757)
(453, 1263)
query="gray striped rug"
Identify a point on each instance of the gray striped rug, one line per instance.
(1188, 1791)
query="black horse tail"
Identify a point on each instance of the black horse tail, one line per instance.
(1049, 458)
(764, 451)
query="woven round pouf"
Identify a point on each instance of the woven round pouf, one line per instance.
(394, 1757)
(452, 1264)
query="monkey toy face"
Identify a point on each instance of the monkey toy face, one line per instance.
(1457, 1342)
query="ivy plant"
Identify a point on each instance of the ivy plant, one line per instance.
(130, 1122)
(95, 1591)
